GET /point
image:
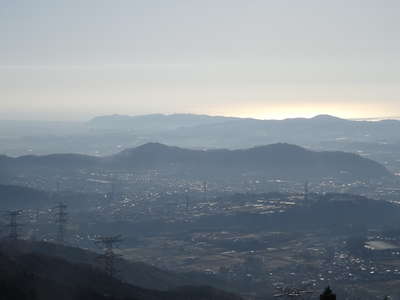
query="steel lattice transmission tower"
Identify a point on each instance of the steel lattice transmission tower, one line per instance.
(61, 221)
(13, 224)
(204, 189)
(187, 203)
(306, 191)
(107, 244)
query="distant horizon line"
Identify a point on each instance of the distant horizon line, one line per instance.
(371, 119)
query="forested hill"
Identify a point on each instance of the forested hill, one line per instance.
(276, 160)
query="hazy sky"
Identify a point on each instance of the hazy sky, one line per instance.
(267, 59)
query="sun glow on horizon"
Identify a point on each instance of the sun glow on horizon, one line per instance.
(307, 110)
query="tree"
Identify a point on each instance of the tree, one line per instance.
(327, 295)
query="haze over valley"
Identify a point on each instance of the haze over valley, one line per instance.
(247, 212)
(202, 150)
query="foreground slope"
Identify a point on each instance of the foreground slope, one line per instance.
(34, 275)
(136, 273)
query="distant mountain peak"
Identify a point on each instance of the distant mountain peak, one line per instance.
(278, 160)
(156, 121)
(152, 146)
(273, 161)
(325, 117)
(279, 147)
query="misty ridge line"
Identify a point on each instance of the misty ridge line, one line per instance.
(316, 117)
(106, 136)
(188, 114)
(154, 147)
(274, 161)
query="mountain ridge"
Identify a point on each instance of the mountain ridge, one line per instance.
(275, 160)
(106, 135)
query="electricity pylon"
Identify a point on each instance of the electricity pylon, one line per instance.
(61, 221)
(13, 225)
(107, 244)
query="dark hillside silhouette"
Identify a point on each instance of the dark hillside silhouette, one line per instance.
(276, 161)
